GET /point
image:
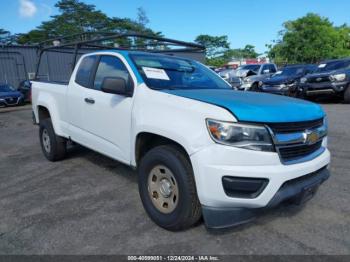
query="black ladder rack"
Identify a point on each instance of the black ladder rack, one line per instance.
(91, 41)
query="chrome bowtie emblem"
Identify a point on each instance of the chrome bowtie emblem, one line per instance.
(310, 137)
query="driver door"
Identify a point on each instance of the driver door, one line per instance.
(107, 117)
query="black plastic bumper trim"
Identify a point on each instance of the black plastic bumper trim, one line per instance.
(224, 217)
(243, 187)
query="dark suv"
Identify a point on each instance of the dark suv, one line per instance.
(286, 81)
(332, 77)
(9, 96)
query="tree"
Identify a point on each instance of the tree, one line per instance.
(142, 18)
(310, 39)
(215, 45)
(77, 17)
(4, 33)
(247, 52)
(6, 37)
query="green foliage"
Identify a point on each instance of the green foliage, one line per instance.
(6, 37)
(3, 33)
(142, 18)
(310, 39)
(218, 50)
(216, 61)
(215, 45)
(77, 17)
(247, 52)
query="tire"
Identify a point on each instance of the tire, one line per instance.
(254, 87)
(54, 147)
(185, 210)
(300, 95)
(347, 95)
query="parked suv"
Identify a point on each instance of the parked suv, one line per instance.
(251, 79)
(287, 80)
(9, 96)
(331, 78)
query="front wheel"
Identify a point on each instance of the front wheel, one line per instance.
(167, 188)
(255, 87)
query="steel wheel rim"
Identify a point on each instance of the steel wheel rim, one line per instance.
(46, 141)
(163, 189)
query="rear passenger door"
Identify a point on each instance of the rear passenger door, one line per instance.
(75, 96)
(107, 117)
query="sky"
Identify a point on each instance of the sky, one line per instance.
(255, 22)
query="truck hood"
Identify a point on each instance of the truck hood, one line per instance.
(255, 107)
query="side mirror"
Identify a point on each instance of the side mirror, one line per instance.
(266, 71)
(115, 85)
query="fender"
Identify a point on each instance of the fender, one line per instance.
(47, 100)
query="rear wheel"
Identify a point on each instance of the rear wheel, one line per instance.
(167, 188)
(53, 146)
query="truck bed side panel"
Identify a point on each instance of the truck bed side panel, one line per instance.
(52, 96)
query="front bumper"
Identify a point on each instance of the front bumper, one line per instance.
(274, 90)
(325, 88)
(9, 101)
(297, 190)
(214, 162)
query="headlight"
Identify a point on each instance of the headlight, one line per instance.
(245, 136)
(338, 77)
(303, 80)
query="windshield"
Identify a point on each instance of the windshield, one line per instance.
(6, 88)
(254, 68)
(290, 71)
(333, 65)
(164, 72)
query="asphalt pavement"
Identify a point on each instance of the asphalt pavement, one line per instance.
(89, 204)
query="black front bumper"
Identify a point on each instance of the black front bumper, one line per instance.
(275, 91)
(11, 101)
(323, 88)
(297, 190)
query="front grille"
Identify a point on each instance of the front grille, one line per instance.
(319, 79)
(11, 101)
(292, 127)
(298, 151)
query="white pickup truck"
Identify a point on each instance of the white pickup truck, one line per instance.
(200, 148)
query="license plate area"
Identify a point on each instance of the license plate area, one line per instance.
(307, 193)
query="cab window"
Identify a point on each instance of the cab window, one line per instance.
(85, 71)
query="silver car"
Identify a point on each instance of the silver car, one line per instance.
(253, 78)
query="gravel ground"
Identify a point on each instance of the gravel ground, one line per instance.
(89, 204)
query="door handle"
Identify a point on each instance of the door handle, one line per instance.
(89, 100)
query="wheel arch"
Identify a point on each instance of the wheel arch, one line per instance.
(145, 141)
(43, 113)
